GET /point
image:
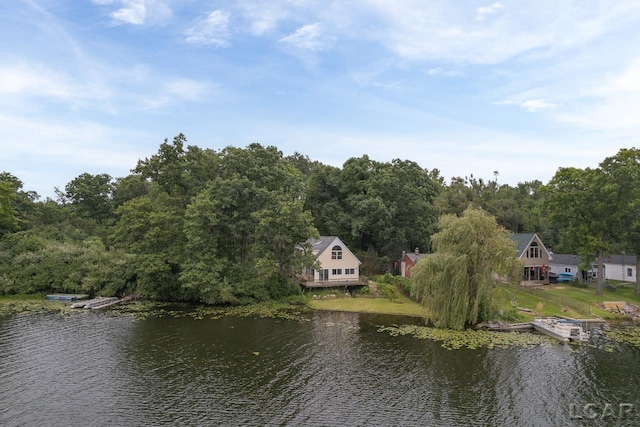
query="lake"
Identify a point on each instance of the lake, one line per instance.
(334, 369)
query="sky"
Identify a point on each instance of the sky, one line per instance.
(467, 87)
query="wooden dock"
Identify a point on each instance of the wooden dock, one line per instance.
(97, 303)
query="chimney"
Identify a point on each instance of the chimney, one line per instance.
(416, 250)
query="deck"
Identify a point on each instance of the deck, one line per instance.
(333, 284)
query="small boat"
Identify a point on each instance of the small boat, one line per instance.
(508, 327)
(66, 297)
(563, 330)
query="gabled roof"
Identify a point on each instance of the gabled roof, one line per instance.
(523, 240)
(415, 257)
(319, 245)
(620, 259)
(566, 259)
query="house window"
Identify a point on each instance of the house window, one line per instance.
(336, 271)
(567, 269)
(350, 271)
(336, 252)
(629, 272)
(534, 251)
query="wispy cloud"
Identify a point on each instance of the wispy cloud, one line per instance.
(442, 72)
(212, 30)
(428, 31)
(531, 105)
(483, 12)
(33, 80)
(137, 12)
(309, 37)
(614, 104)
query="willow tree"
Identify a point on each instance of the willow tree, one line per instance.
(471, 253)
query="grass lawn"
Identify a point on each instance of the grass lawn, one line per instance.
(402, 305)
(562, 300)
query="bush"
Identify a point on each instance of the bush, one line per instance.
(401, 283)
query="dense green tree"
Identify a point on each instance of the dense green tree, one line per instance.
(128, 188)
(326, 202)
(8, 213)
(455, 282)
(622, 173)
(91, 196)
(151, 227)
(584, 202)
(31, 262)
(376, 208)
(279, 233)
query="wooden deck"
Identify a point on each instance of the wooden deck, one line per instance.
(333, 284)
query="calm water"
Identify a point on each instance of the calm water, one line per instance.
(97, 369)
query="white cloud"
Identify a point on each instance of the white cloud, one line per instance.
(188, 89)
(212, 30)
(531, 105)
(612, 105)
(428, 31)
(441, 72)
(483, 12)
(309, 37)
(32, 80)
(137, 12)
(537, 104)
(625, 82)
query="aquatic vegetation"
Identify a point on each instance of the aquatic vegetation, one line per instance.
(471, 339)
(627, 335)
(144, 310)
(22, 306)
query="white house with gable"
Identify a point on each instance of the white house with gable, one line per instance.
(338, 265)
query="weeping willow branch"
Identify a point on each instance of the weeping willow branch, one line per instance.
(455, 282)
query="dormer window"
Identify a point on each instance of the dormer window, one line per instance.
(336, 252)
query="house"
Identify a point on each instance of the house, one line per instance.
(339, 267)
(565, 265)
(408, 260)
(568, 265)
(535, 256)
(620, 267)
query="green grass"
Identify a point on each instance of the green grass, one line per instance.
(561, 300)
(402, 305)
(21, 297)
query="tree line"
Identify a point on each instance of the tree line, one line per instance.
(226, 226)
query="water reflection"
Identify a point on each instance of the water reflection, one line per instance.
(336, 369)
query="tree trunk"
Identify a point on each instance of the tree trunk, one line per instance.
(600, 285)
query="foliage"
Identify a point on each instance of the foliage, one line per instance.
(470, 339)
(91, 196)
(226, 226)
(598, 208)
(401, 283)
(455, 283)
(31, 264)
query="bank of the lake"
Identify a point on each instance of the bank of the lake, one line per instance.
(191, 366)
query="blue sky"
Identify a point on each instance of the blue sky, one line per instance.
(465, 87)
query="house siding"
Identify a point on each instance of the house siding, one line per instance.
(332, 270)
(535, 256)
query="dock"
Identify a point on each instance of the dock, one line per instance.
(97, 303)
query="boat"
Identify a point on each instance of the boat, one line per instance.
(507, 327)
(66, 297)
(563, 330)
